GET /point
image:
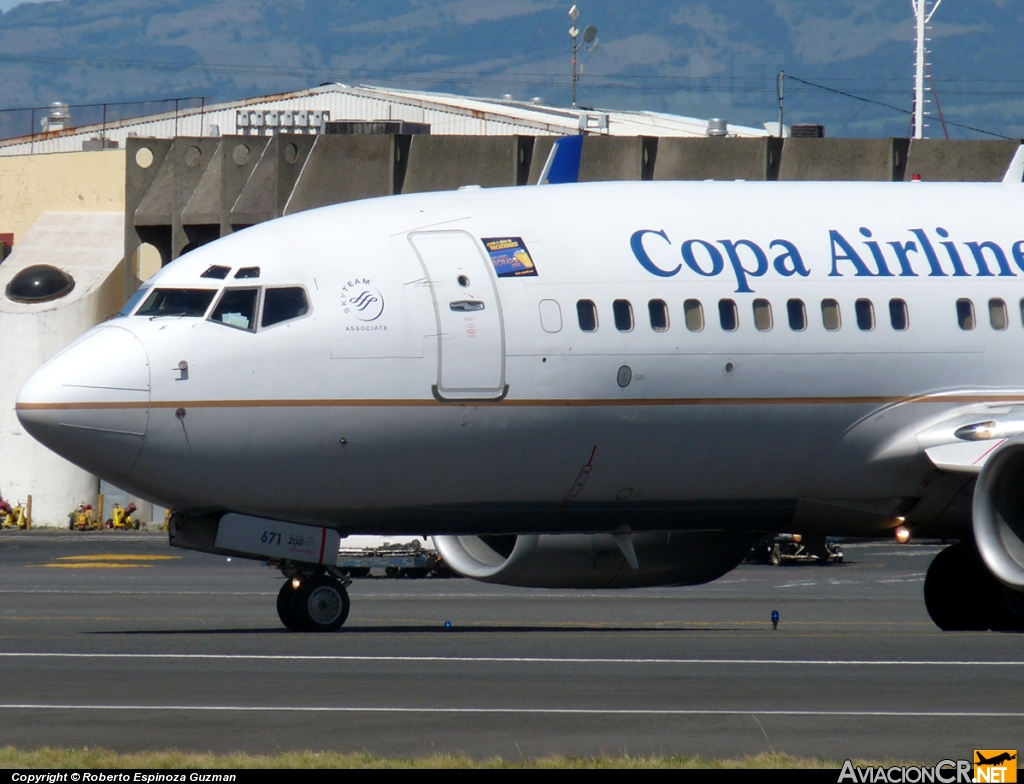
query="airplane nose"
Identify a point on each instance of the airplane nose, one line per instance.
(90, 403)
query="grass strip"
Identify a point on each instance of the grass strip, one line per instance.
(92, 758)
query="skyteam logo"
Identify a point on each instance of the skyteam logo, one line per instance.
(362, 300)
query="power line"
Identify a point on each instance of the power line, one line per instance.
(140, 102)
(890, 106)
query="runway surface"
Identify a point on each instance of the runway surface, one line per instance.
(117, 640)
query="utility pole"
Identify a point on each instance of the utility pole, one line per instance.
(781, 84)
(589, 40)
(924, 16)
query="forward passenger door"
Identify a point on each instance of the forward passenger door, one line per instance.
(470, 329)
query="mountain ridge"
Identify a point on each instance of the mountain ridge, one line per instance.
(694, 58)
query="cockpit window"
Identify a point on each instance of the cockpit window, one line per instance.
(177, 302)
(135, 299)
(216, 272)
(237, 308)
(248, 272)
(282, 305)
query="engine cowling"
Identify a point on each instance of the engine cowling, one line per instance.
(998, 513)
(595, 560)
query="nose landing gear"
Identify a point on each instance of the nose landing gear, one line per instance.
(313, 602)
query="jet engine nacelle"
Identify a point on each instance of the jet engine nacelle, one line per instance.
(998, 513)
(596, 560)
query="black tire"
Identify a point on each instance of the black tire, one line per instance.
(284, 607)
(960, 593)
(320, 604)
(775, 557)
(1012, 619)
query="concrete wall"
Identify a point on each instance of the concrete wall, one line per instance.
(88, 247)
(718, 159)
(607, 158)
(193, 190)
(843, 159)
(959, 160)
(441, 163)
(74, 186)
(64, 182)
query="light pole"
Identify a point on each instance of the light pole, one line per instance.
(923, 16)
(589, 41)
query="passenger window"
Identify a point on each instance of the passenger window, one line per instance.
(865, 314)
(965, 314)
(237, 308)
(797, 315)
(586, 314)
(830, 316)
(658, 311)
(728, 315)
(283, 305)
(899, 316)
(693, 314)
(177, 302)
(762, 315)
(623, 313)
(550, 316)
(997, 314)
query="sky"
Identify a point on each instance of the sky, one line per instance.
(849, 63)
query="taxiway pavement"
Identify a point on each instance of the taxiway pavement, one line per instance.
(117, 640)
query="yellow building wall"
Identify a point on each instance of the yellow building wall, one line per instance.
(58, 182)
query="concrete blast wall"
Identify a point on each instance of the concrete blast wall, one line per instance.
(184, 192)
(87, 246)
(959, 160)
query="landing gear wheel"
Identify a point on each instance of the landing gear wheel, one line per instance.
(775, 557)
(1013, 611)
(320, 604)
(284, 607)
(960, 593)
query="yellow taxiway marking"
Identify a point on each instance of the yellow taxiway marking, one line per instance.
(119, 557)
(94, 565)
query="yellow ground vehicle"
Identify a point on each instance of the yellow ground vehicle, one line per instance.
(13, 516)
(122, 518)
(83, 519)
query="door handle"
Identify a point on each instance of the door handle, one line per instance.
(466, 305)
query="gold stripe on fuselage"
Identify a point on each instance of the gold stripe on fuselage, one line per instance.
(536, 403)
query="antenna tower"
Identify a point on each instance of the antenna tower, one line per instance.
(924, 10)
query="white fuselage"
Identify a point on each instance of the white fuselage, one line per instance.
(433, 387)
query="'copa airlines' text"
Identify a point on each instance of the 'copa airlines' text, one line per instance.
(932, 254)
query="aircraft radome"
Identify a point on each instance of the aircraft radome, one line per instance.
(583, 385)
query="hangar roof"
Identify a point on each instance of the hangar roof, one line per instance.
(446, 114)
